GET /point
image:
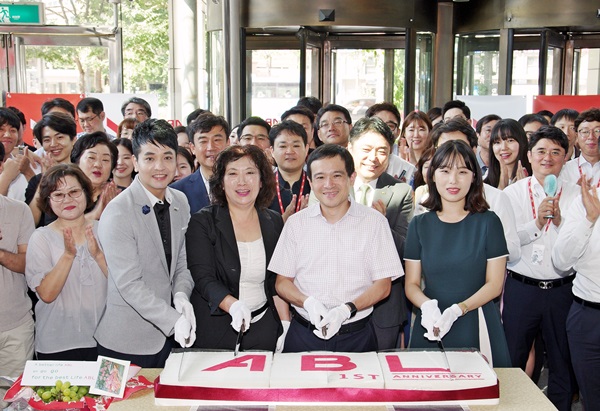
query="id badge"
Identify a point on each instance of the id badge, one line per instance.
(537, 255)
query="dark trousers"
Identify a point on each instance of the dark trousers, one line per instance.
(527, 309)
(300, 338)
(76, 354)
(583, 331)
(145, 361)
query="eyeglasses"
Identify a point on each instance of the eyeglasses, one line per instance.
(60, 197)
(585, 133)
(88, 120)
(335, 123)
(393, 126)
(541, 153)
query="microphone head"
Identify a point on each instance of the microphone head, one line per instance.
(550, 185)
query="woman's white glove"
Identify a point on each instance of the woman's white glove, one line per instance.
(430, 313)
(444, 323)
(240, 313)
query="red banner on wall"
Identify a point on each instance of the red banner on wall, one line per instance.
(555, 103)
(31, 106)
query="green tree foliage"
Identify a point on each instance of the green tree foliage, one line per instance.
(145, 43)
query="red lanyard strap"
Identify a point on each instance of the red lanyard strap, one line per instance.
(298, 200)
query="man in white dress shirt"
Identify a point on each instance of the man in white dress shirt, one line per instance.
(537, 295)
(334, 261)
(587, 126)
(578, 247)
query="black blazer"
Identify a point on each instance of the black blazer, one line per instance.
(214, 261)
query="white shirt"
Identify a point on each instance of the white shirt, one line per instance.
(570, 172)
(336, 263)
(400, 169)
(578, 247)
(535, 242)
(500, 204)
(17, 187)
(253, 262)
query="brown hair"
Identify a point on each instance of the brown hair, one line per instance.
(258, 157)
(52, 179)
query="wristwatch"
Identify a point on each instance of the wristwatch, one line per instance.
(352, 307)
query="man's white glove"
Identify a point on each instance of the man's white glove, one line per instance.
(332, 321)
(183, 306)
(315, 309)
(430, 313)
(281, 339)
(444, 323)
(184, 334)
(239, 312)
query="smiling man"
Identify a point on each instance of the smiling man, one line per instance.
(333, 292)
(334, 124)
(370, 145)
(587, 129)
(289, 147)
(142, 233)
(91, 115)
(209, 135)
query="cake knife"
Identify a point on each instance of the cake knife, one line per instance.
(436, 332)
(238, 341)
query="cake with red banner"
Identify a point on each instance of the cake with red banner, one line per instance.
(325, 378)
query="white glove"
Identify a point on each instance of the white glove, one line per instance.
(239, 312)
(183, 332)
(444, 323)
(183, 306)
(316, 310)
(430, 313)
(281, 339)
(332, 321)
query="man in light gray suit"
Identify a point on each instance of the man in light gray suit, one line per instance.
(370, 144)
(142, 232)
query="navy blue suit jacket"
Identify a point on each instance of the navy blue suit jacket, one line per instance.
(194, 189)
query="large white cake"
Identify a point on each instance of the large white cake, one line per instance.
(403, 377)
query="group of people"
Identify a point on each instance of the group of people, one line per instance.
(311, 234)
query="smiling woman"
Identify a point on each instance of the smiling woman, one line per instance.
(229, 245)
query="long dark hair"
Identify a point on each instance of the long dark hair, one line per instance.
(446, 155)
(504, 129)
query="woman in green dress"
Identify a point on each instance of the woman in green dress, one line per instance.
(459, 250)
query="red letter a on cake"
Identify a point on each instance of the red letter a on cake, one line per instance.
(327, 363)
(256, 363)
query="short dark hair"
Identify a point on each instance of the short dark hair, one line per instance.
(330, 151)
(486, 119)
(567, 113)
(545, 113)
(551, 133)
(52, 178)
(90, 140)
(417, 116)
(455, 124)
(194, 115)
(290, 126)
(373, 124)
(90, 104)
(7, 116)
(180, 129)
(502, 130)
(60, 103)
(419, 179)
(205, 122)
(446, 155)
(232, 153)
(384, 106)
(125, 142)
(304, 111)
(333, 107)
(182, 151)
(457, 104)
(19, 114)
(157, 132)
(312, 103)
(137, 100)
(532, 118)
(252, 121)
(57, 121)
(593, 114)
(434, 113)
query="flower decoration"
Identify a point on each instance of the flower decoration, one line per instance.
(145, 209)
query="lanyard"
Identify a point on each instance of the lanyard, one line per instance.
(533, 204)
(581, 171)
(298, 202)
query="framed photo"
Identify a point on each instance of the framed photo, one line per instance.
(111, 378)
